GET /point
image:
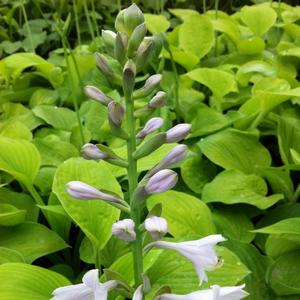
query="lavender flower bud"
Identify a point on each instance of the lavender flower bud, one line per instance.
(124, 230)
(136, 38)
(178, 132)
(116, 113)
(156, 226)
(91, 151)
(150, 85)
(152, 125)
(96, 94)
(103, 65)
(159, 100)
(175, 155)
(83, 191)
(109, 38)
(161, 182)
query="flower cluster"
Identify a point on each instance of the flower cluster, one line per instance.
(131, 48)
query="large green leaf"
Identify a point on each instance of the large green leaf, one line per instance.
(32, 240)
(94, 217)
(232, 186)
(287, 226)
(57, 117)
(186, 215)
(10, 215)
(8, 255)
(196, 35)
(156, 23)
(233, 149)
(219, 82)
(20, 159)
(284, 274)
(259, 18)
(20, 281)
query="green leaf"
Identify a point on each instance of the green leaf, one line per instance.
(10, 215)
(234, 225)
(196, 172)
(219, 82)
(257, 264)
(232, 186)
(32, 240)
(20, 159)
(8, 255)
(251, 46)
(233, 149)
(174, 270)
(288, 137)
(259, 18)
(186, 215)
(196, 35)
(94, 217)
(156, 23)
(20, 281)
(57, 117)
(183, 13)
(283, 275)
(20, 201)
(288, 226)
(16, 130)
(54, 151)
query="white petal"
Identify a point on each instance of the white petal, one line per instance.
(100, 293)
(138, 294)
(73, 292)
(91, 279)
(232, 293)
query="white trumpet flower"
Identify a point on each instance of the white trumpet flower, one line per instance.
(200, 252)
(214, 293)
(90, 289)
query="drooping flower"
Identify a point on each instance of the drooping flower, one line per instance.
(161, 182)
(214, 293)
(178, 132)
(200, 252)
(96, 94)
(156, 226)
(91, 151)
(90, 289)
(124, 230)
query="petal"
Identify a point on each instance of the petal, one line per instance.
(212, 239)
(138, 294)
(91, 279)
(100, 293)
(201, 273)
(233, 293)
(73, 292)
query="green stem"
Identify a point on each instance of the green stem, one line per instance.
(86, 11)
(137, 247)
(296, 194)
(94, 18)
(77, 22)
(74, 87)
(216, 33)
(204, 6)
(35, 195)
(27, 25)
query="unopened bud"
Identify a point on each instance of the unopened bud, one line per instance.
(124, 230)
(150, 145)
(178, 132)
(103, 64)
(129, 72)
(156, 226)
(128, 19)
(152, 125)
(96, 94)
(116, 113)
(83, 191)
(120, 47)
(161, 182)
(175, 155)
(109, 38)
(143, 53)
(138, 294)
(159, 100)
(136, 38)
(91, 151)
(150, 85)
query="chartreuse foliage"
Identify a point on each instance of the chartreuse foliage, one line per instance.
(234, 77)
